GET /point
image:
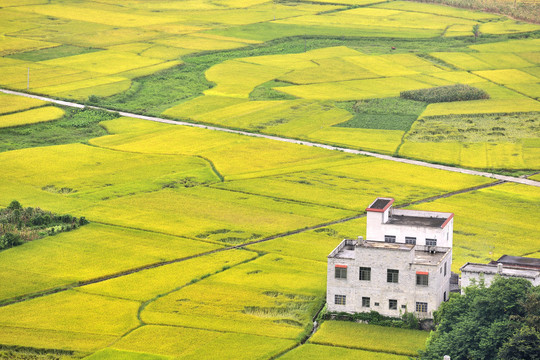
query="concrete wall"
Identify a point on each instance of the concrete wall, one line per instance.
(406, 292)
(377, 228)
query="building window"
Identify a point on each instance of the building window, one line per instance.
(422, 279)
(389, 238)
(365, 302)
(392, 275)
(410, 240)
(421, 307)
(431, 242)
(444, 296)
(365, 273)
(340, 300)
(445, 268)
(392, 304)
(341, 272)
(376, 304)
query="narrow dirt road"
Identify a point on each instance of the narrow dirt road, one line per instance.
(522, 181)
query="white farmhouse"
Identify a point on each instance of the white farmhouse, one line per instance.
(402, 266)
(506, 266)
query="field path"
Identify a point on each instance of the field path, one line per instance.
(523, 181)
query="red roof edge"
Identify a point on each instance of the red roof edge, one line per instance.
(422, 273)
(447, 220)
(341, 266)
(381, 210)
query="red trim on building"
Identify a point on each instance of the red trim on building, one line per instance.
(341, 266)
(381, 210)
(422, 273)
(447, 220)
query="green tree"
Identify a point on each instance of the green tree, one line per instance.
(523, 345)
(476, 325)
(14, 205)
(476, 31)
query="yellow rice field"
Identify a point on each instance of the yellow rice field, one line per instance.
(32, 116)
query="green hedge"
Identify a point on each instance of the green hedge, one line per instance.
(448, 93)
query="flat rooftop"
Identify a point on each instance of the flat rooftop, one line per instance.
(506, 271)
(416, 220)
(519, 261)
(347, 250)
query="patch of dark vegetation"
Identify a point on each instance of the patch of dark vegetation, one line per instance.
(212, 232)
(185, 182)
(407, 321)
(254, 272)
(266, 92)
(19, 225)
(384, 114)
(52, 53)
(74, 127)
(55, 190)
(448, 93)
(8, 352)
(289, 322)
(329, 232)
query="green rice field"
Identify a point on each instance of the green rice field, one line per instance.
(213, 245)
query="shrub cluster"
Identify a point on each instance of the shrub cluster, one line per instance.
(448, 93)
(19, 225)
(407, 320)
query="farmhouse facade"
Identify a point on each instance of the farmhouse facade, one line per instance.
(506, 266)
(403, 265)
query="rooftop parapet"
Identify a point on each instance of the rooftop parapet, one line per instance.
(501, 270)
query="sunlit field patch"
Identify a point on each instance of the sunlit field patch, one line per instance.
(55, 339)
(69, 313)
(328, 70)
(92, 13)
(462, 60)
(507, 76)
(237, 79)
(268, 296)
(377, 338)
(503, 60)
(90, 252)
(190, 343)
(233, 155)
(322, 352)
(384, 141)
(516, 46)
(354, 89)
(10, 45)
(290, 118)
(494, 106)
(139, 173)
(362, 176)
(32, 116)
(199, 43)
(115, 62)
(149, 283)
(12, 103)
(206, 211)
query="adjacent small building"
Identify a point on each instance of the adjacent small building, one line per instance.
(403, 265)
(506, 266)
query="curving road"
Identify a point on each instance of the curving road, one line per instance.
(522, 181)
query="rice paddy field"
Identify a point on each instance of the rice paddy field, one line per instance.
(206, 244)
